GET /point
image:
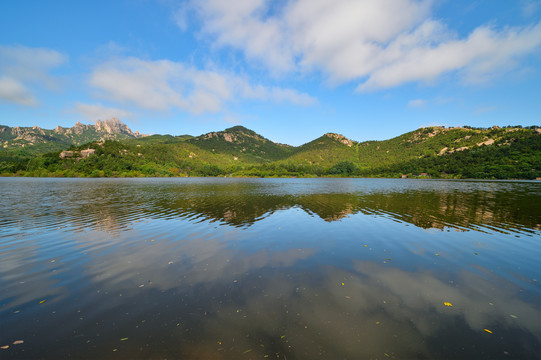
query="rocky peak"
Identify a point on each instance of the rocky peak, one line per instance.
(59, 130)
(115, 126)
(340, 138)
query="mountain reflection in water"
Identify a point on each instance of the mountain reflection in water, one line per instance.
(110, 204)
(277, 268)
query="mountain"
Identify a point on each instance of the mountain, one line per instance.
(325, 151)
(110, 148)
(38, 140)
(243, 144)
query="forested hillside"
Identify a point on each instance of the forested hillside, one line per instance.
(496, 153)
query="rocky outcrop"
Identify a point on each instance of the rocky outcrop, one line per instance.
(66, 154)
(340, 138)
(86, 153)
(114, 126)
(488, 142)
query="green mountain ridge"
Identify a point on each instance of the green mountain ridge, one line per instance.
(110, 148)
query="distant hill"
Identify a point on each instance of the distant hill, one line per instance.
(461, 152)
(37, 140)
(242, 143)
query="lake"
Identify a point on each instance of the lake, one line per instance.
(218, 268)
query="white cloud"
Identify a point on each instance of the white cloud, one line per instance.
(164, 84)
(95, 112)
(417, 103)
(23, 67)
(379, 43)
(14, 91)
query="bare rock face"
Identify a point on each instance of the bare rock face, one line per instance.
(59, 130)
(86, 153)
(78, 128)
(66, 154)
(488, 142)
(340, 138)
(113, 126)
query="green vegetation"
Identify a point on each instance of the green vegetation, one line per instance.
(436, 152)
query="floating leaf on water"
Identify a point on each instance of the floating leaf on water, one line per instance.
(437, 254)
(4, 347)
(343, 284)
(514, 316)
(17, 342)
(488, 331)
(283, 336)
(377, 323)
(123, 339)
(247, 351)
(53, 261)
(141, 285)
(42, 301)
(169, 263)
(446, 303)
(476, 253)
(115, 349)
(365, 245)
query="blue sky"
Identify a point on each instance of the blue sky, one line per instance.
(289, 70)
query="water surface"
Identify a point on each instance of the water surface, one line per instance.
(269, 268)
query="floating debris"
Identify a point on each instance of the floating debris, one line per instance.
(5, 347)
(513, 316)
(43, 301)
(488, 331)
(123, 339)
(18, 342)
(446, 303)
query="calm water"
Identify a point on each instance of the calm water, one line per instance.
(270, 268)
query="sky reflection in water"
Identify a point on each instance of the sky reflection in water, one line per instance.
(243, 268)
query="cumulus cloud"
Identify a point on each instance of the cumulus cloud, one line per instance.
(95, 112)
(164, 84)
(22, 67)
(378, 43)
